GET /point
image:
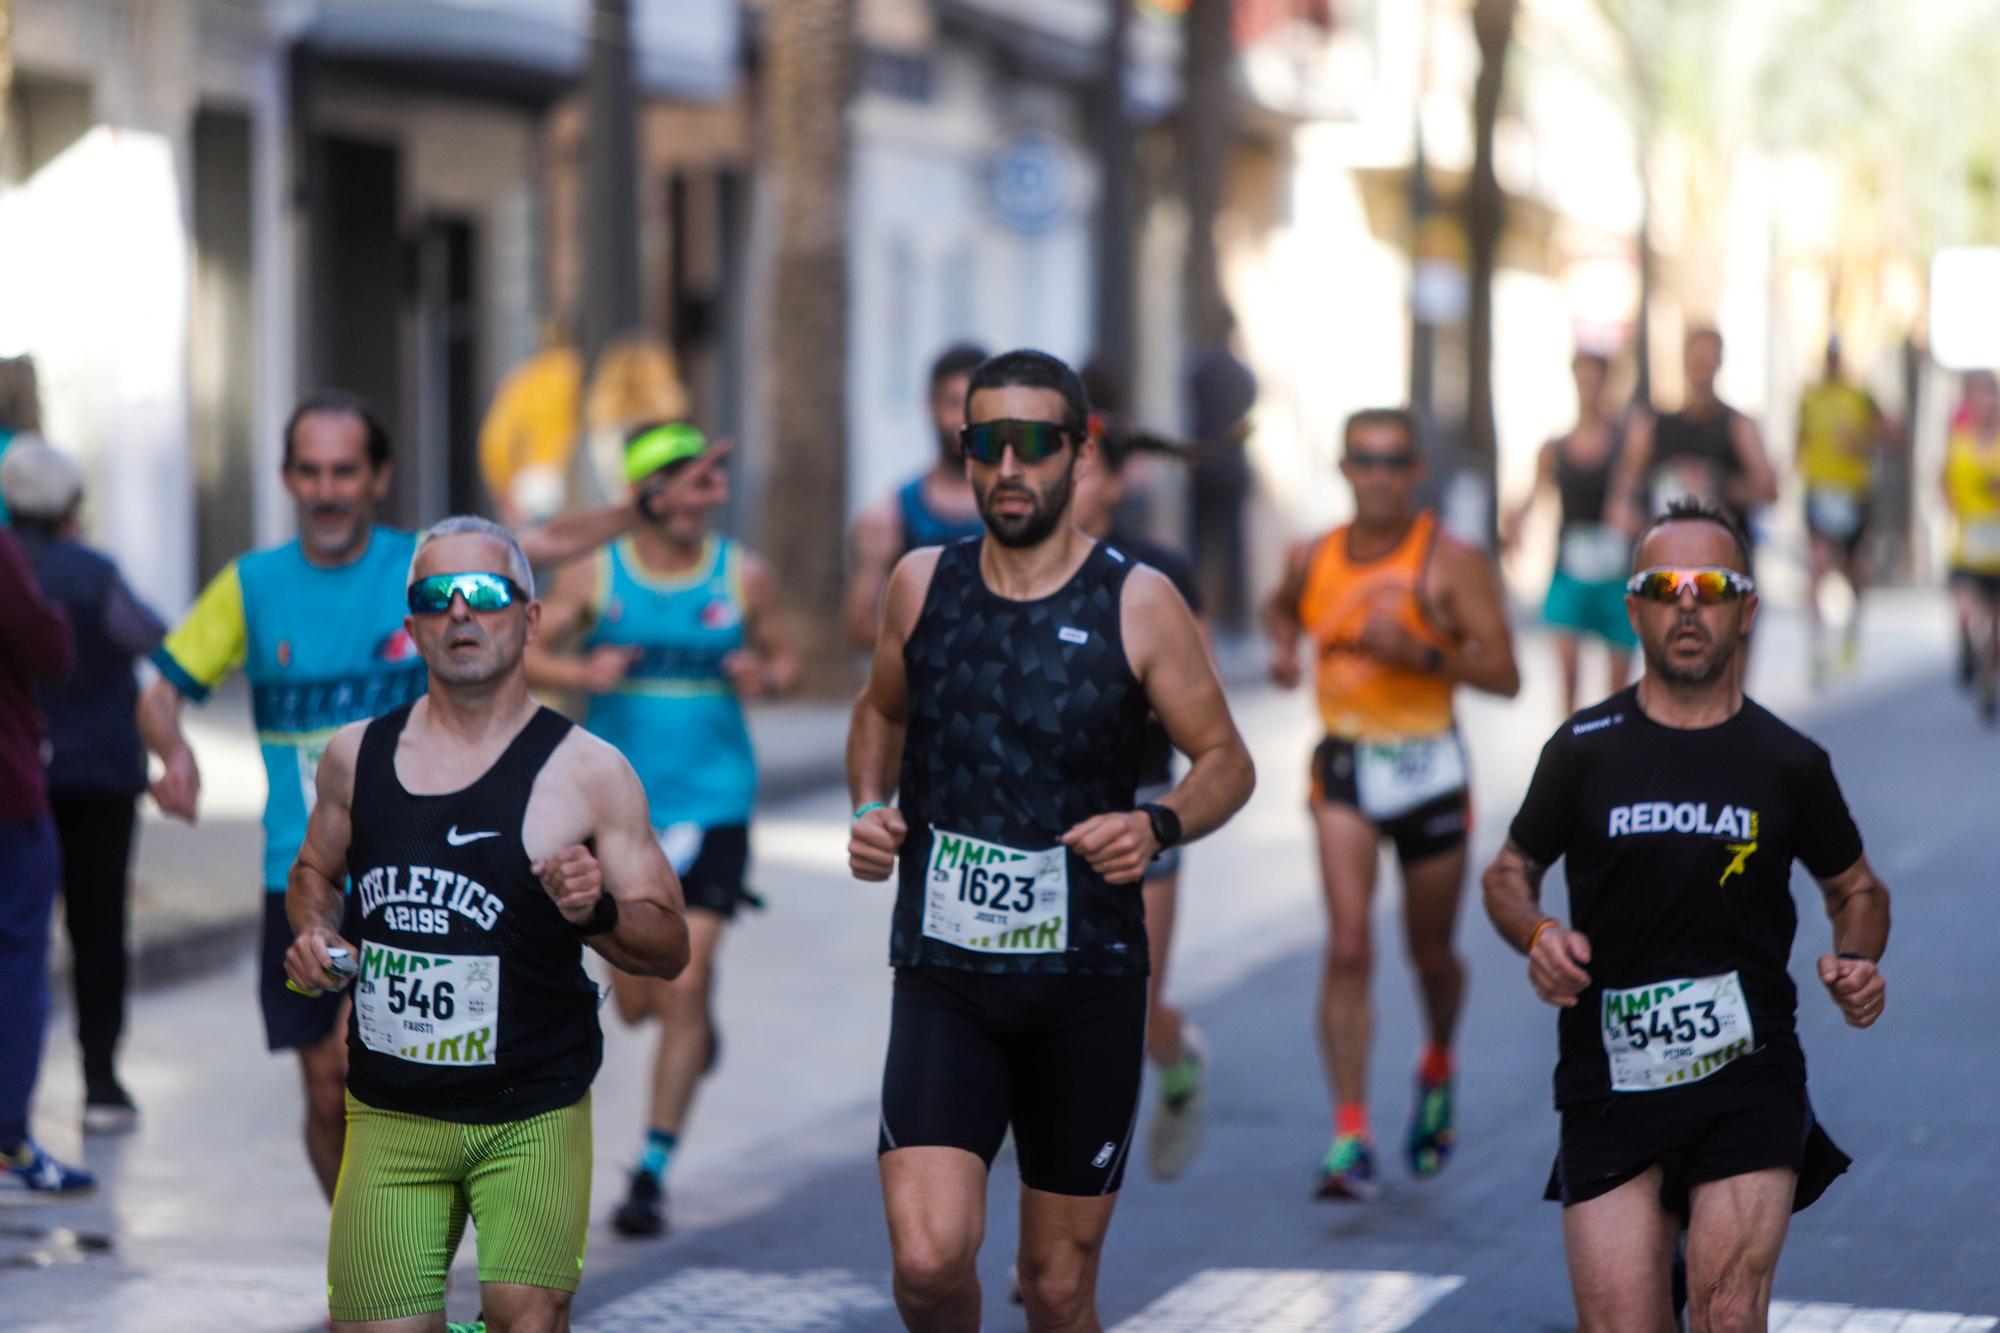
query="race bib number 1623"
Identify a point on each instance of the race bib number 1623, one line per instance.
(994, 899)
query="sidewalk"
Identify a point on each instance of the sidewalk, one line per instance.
(195, 900)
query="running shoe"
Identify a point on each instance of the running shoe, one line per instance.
(1432, 1128)
(473, 1326)
(1173, 1136)
(107, 1108)
(30, 1172)
(644, 1212)
(1348, 1171)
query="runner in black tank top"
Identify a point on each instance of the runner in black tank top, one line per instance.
(488, 841)
(452, 919)
(1007, 704)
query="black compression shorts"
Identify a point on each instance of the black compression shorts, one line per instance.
(714, 880)
(1431, 829)
(1695, 1135)
(1058, 1057)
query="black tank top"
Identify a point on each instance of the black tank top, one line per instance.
(1025, 719)
(1583, 490)
(1679, 438)
(472, 1004)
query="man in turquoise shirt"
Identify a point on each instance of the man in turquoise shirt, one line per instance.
(317, 626)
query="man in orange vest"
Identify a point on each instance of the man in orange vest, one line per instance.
(1399, 614)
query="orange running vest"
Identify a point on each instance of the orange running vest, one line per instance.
(1361, 697)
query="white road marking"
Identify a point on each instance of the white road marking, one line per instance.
(1291, 1300)
(1820, 1317)
(730, 1300)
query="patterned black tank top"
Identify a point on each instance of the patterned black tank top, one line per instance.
(1025, 719)
(472, 1004)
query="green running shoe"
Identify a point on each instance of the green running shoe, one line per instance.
(1432, 1128)
(1348, 1171)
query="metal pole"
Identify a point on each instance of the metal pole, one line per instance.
(611, 172)
(1114, 313)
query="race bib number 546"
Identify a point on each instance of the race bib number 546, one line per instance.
(429, 1008)
(995, 899)
(1675, 1032)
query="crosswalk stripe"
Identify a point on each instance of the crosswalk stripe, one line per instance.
(1292, 1300)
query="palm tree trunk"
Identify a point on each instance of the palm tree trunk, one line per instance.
(1485, 217)
(1205, 126)
(809, 77)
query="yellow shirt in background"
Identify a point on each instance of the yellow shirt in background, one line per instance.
(1837, 438)
(1972, 487)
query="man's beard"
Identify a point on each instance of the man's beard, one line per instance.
(1710, 669)
(1033, 527)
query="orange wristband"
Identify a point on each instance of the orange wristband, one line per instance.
(1547, 921)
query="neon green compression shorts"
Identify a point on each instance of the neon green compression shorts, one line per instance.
(407, 1184)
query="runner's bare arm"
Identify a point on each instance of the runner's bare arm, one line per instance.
(771, 664)
(1281, 616)
(1857, 902)
(1758, 483)
(872, 547)
(579, 532)
(177, 790)
(623, 860)
(314, 896)
(1625, 501)
(568, 610)
(1512, 890)
(1172, 662)
(1466, 589)
(881, 714)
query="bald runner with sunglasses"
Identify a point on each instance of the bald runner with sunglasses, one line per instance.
(489, 842)
(1399, 615)
(1678, 806)
(1006, 713)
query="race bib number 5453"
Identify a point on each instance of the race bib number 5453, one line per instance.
(995, 899)
(1675, 1032)
(429, 1008)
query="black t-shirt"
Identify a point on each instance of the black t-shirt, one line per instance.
(1679, 847)
(1157, 768)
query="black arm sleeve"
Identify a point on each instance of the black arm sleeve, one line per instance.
(1546, 824)
(1828, 841)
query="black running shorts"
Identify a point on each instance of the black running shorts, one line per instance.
(713, 881)
(1057, 1057)
(1432, 829)
(1696, 1135)
(292, 1020)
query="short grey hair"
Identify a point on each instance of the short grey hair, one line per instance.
(40, 482)
(471, 524)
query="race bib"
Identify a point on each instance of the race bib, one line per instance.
(310, 753)
(1395, 777)
(1835, 514)
(429, 1008)
(1675, 1032)
(1593, 553)
(1979, 543)
(994, 899)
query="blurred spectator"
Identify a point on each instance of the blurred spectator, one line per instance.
(34, 650)
(96, 767)
(530, 433)
(634, 381)
(1221, 391)
(20, 406)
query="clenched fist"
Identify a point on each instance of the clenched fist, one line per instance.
(873, 842)
(1118, 846)
(574, 882)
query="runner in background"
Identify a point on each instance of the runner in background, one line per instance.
(1398, 614)
(930, 509)
(1586, 598)
(1972, 493)
(1841, 436)
(678, 626)
(1174, 1045)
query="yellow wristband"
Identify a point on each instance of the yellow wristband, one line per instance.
(1537, 934)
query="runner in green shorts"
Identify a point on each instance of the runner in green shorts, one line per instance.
(1587, 591)
(488, 840)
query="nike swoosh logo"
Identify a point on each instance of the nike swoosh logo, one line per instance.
(457, 839)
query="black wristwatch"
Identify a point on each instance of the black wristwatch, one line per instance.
(603, 918)
(1166, 825)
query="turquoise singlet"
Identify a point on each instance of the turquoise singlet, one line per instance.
(675, 716)
(322, 648)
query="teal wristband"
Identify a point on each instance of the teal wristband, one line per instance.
(872, 805)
